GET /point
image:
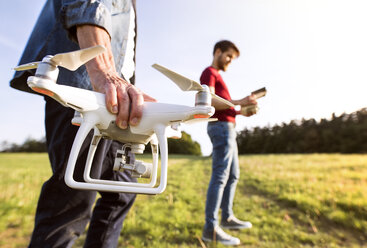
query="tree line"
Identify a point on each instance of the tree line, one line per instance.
(346, 133)
(185, 145)
(29, 145)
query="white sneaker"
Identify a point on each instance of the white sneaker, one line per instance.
(234, 223)
(218, 235)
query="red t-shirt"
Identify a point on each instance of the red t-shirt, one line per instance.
(212, 78)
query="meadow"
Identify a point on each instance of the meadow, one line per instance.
(315, 200)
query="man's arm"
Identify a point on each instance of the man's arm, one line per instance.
(120, 95)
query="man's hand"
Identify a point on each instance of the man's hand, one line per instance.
(248, 105)
(248, 100)
(122, 98)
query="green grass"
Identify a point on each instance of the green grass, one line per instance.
(21, 177)
(313, 200)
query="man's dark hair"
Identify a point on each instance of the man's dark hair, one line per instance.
(224, 45)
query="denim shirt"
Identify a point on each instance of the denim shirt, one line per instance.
(55, 32)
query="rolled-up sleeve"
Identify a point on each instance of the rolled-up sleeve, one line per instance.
(84, 12)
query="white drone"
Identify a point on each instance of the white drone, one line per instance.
(159, 121)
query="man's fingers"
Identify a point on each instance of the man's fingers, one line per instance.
(111, 98)
(137, 101)
(252, 99)
(123, 105)
(249, 100)
(126, 101)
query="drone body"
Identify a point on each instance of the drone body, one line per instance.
(159, 121)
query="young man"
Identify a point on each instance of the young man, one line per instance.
(225, 166)
(63, 26)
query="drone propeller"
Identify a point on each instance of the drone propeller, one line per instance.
(71, 60)
(186, 84)
(24, 67)
(182, 82)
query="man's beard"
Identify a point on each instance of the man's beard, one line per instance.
(221, 65)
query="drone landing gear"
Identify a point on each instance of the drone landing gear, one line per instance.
(124, 161)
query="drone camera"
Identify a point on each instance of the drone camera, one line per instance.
(125, 160)
(142, 169)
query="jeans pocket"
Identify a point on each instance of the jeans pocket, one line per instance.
(219, 134)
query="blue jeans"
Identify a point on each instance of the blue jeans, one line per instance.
(225, 172)
(62, 212)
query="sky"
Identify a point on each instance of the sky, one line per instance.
(311, 55)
